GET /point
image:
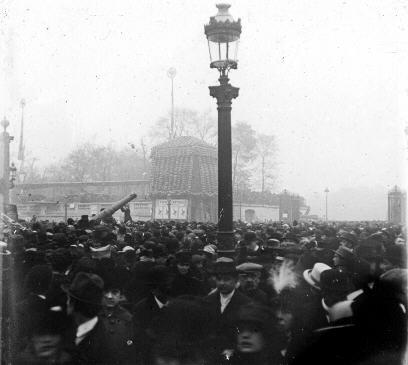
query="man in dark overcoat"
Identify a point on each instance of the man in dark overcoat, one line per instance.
(117, 320)
(224, 303)
(148, 311)
(87, 337)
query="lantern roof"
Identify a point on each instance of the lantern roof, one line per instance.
(222, 27)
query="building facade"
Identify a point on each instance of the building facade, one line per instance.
(184, 180)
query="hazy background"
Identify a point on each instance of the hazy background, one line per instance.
(327, 78)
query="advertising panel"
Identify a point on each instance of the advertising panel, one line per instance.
(178, 209)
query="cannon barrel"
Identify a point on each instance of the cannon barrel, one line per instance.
(115, 207)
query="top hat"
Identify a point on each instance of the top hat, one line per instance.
(312, 276)
(86, 287)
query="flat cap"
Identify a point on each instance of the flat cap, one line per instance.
(249, 267)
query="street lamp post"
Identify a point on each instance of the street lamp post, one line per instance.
(223, 36)
(5, 186)
(327, 193)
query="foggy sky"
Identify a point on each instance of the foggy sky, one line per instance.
(327, 78)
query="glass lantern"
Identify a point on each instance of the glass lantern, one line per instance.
(223, 38)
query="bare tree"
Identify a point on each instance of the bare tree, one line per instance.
(243, 148)
(266, 150)
(204, 127)
(187, 122)
(91, 162)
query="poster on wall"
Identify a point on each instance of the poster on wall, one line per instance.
(141, 210)
(178, 209)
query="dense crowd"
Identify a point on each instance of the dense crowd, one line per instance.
(164, 293)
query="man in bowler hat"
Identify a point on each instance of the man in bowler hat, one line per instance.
(224, 303)
(88, 334)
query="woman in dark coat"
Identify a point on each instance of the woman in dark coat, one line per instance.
(255, 339)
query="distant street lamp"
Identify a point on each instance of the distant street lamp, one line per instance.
(223, 35)
(327, 193)
(172, 74)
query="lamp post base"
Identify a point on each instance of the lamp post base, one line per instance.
(226, 241)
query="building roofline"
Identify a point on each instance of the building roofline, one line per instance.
(80, 183)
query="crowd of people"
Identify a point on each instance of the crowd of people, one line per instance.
(164, 293)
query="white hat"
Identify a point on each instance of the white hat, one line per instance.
(312, 276)
(127, 248)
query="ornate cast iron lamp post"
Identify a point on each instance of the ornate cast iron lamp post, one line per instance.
(223, 36)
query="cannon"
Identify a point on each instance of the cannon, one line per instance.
(121, 203)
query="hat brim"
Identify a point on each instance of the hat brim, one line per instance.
(66, 289)
(307, 275)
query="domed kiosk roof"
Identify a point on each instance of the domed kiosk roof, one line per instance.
(184, 165)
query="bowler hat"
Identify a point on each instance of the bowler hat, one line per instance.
(86, 287)
(345, 253)
(349, 237)
(158, 275)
